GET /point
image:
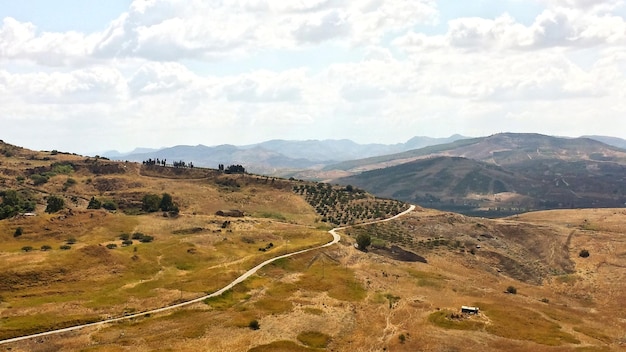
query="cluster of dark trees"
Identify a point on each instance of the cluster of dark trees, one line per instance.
(97, 204)
(153, 202)
(14, 202)
(163, 162)
(155, 162)
(182, 164)
(232, 169)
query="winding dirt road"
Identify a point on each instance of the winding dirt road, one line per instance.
(333, 232)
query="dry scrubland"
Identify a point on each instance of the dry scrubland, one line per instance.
(338, 298)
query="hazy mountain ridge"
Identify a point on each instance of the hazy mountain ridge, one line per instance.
(268, 156)
(503, 148)
(508, 172)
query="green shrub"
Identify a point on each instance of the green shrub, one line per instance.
(584, 253)
(402, 338)
(151, 203)
(39, 179)
(55, 204)
(27, 248)
(62, 168)
(94, 203)
(18, 232)
(65, 247)
(363, 241)
(46, 247)
(146, 239)
(111, 246)
(254, 325)
(109, 205)
(512, 290)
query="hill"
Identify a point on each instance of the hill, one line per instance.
(499, 149)
(614, 141)
(403, 293)
(499, 175)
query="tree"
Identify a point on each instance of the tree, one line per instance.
(46, 247)
(18, 232)
(94, 203)
(584, 253)
(146, 239)
(27, 248)
(55, 204)
(363, 241)
(151, 203)
(14, 202)
(254, 325)
(512, 290)
(166, 202)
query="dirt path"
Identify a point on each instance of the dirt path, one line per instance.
(333, 232)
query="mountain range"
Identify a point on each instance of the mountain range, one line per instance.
(498, 175)
(297, 158)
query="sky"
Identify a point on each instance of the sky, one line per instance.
(88, 76)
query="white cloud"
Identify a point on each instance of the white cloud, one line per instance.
(20, 41)
(171, 71)
(265, 86)
(155, 78)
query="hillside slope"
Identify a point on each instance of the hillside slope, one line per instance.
(499, 175)
(499, 149)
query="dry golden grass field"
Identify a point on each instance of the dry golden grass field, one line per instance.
(337, 298)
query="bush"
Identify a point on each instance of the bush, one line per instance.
(166, 202)
(65, 247)
(584, 253)
(126, 243)
(512, 290)
(46, 247)
(363, 241)
(124, 236)
(254, 325)
(71, 240)
(151, 203)
(14, 202)
(55, 204)
(18, 232)
(137, 236)
(27, 248)
(109, 205)
(94, 203)
(39, 179)
(111, 246)
(146, 239)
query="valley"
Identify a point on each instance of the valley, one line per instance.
(403, 293)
